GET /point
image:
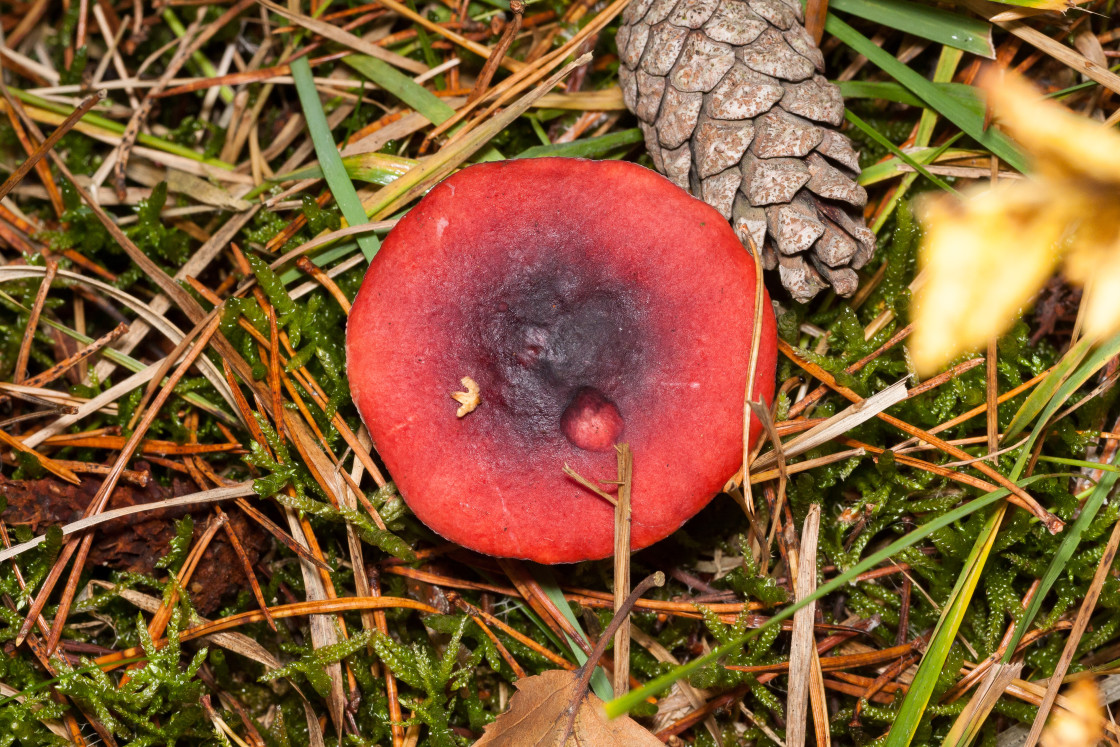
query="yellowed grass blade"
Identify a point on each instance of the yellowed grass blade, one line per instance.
(420, 178)
(345, 38)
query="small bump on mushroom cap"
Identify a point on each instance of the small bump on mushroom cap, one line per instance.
(591, 421)
(592, 302)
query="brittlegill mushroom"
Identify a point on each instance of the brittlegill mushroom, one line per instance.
(533, 313)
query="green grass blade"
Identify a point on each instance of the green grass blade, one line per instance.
(1044, 392)
(1043, 4)
(1077, 87)
(592, 147)
(1070, 542)
(885, 90)
(947, 62)
(883, 141)
(116, 128)
(329, 159)
(917, 698)
(942, 26)
(600, 683)
(1080, 463)
(1090, 366)
(892, 167)
(375, 168)
(401, 86)
(1072, 383)
(947, 106)
(625, 703)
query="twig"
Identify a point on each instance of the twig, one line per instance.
(298, 609)
(162, 616)
(182, 54)
(678, 726)
(247, 566)
(882, 681)
(46, 462)
(345, 38)
(798, 407)
(622, 569)
(532, 593)
(763, 415)
(481, 50)
(936, 381)
(517, 7)
(307, 266)
(32, 323)
(101, 498)
(395, 715)
(512, 632)
(284, 538)
(21, 171)
(815, 13)
(458, 601)
(965, 416)
(570, 472)
(1069, 57)
(82, 355)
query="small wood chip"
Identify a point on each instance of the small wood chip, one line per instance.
(469, 399)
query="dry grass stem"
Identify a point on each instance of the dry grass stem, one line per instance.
(622, 569)
(802, 649)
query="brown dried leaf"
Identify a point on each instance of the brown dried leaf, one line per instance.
(135, 543)
(539, 713)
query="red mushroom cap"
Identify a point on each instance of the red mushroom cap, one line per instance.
(593, 303)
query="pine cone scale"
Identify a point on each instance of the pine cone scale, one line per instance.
(781, 135)
(770, 55)
(735, 24)
(693, 13)
(681, 113)
(719, 144)
(815, 99)
(743, 94)
(702, 63)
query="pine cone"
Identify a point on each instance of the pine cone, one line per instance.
(733, 108)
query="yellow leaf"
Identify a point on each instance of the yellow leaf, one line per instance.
(1059, 5)
(986, 256)
(1093, 261)
(1062, 145)
(1079, 724)
(983, 259)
